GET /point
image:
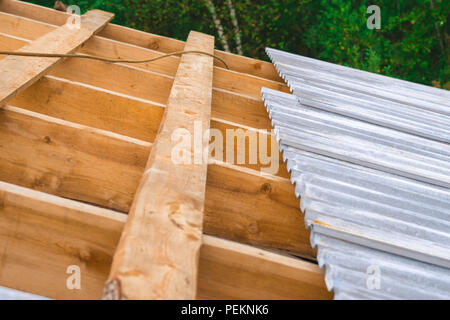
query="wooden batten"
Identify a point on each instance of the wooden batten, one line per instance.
(19, 73)
(157, 257)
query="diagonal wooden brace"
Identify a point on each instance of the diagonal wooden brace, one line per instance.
(18, 73)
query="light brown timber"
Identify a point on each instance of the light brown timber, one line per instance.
(69, 160)
(157, 256)
(42, 235)
(229, 270)
(20, 72)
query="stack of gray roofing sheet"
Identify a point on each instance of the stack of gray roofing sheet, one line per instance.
(370, 158)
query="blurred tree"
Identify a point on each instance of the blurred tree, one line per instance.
(412, 43)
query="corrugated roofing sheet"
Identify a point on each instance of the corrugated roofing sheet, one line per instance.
(11, 294)
(370, 158)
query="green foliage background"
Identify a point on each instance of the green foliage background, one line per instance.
(412, 43)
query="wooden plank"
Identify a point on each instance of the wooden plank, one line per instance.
(229, 270)
(69, 160)
(20, 72)
(120, 78)
(246, 65)
(23, 27)
(238, 144)
(10, 43)
(28, 29)
(241, 64)
(163, 44)
(92, 106)
(42, 235)
(34, 11)
(255, 209)
(229, 80)
(157, 257)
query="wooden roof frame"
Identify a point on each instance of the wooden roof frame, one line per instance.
(89, 128)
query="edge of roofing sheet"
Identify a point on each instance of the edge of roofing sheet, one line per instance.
(412, 258)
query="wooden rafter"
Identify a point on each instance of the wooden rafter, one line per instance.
(157, 257)
(19, 73)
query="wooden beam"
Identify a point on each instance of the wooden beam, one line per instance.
(25, 28)
(229, 270)
(120, 78)
(92, 106)
(163, 44)
(69, 160)
(42, 235)
(157, 257)
(124, 114)
(241, 64)
(10, 43)
(260, 210)
(238, 143)
(28, 29)
(34, 11)
(20, 72)
(233, 81)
